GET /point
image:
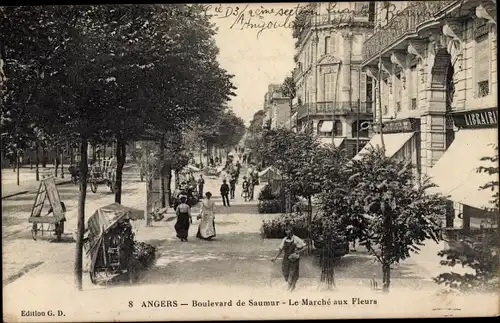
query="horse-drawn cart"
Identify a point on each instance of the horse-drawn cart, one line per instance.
(105, 174)
(98, 174)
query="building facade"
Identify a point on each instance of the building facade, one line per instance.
(434, 63)
(277, 107)
(334, 95)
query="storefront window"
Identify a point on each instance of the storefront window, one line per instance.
(338, 128)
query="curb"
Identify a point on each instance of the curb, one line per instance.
(24, 192)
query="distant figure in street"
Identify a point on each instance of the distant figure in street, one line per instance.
(201, 184)
(224, 192)
(206, 229)
(291, 246)
(183, 212)
(212, 163)
(245, 187)
(232, 184)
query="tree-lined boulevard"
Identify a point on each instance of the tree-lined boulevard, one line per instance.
(139, 88)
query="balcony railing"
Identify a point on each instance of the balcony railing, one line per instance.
(337, 19)
(404, 23)
(325, 108)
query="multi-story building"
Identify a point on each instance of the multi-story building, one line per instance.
(334, 95)
(276, 107)
(434, 63)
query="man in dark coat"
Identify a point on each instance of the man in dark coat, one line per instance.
(224, 192)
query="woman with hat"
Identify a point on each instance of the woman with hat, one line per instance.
(206, 229)
(183, 212)
(291, 246)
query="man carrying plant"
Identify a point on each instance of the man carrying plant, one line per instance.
(291, 246)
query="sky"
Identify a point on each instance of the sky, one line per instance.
(257, 59)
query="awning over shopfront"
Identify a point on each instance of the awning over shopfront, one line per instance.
(326, 126)
(393, 143)
(456, 172)
(328, 141)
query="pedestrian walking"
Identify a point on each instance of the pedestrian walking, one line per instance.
(206, 229)
(232, 184)
(291, 246)
(183, 212)
(201, 184)
(224, 192)
(245, 187)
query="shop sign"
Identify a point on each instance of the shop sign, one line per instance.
(400, 126)
(481, 118)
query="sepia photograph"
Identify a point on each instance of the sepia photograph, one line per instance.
(249, 161)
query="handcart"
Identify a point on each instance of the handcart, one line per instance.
(109, 242)
(53, 220)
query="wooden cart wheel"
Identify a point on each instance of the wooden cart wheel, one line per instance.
(93, 186)
(34, 231)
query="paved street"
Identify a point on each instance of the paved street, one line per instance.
(238, 252)
(237, 261)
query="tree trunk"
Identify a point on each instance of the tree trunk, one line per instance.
(161, 166)
(17, 165)
(120, 162)
(309, 224)
(201, 155)
(104, 152)
(31, 159)
(44, 154)
(81, 214)
(62, 163)
(168, 174)
(94, 152)
(71, 155)
(208, 155)
(177, 181)
(56, 164)
(149, 185)
(386, 280)
(37, 162)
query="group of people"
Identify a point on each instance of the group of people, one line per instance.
(206, 228)
(291, 246)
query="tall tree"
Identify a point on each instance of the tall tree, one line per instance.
(389, 209)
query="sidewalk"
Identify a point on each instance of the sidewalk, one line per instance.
(27, 180)
(28, 183)
(24, 254)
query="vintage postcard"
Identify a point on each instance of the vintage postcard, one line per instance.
(322, 160)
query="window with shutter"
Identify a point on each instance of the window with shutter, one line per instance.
(482, 63)
(354, 85)
(327, 45)
(369, 89)
(362, 89)
(328, 87)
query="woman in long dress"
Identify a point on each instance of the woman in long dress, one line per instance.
(206, 229)
(183, 212)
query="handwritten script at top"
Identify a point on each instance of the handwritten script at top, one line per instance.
(265, 18)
